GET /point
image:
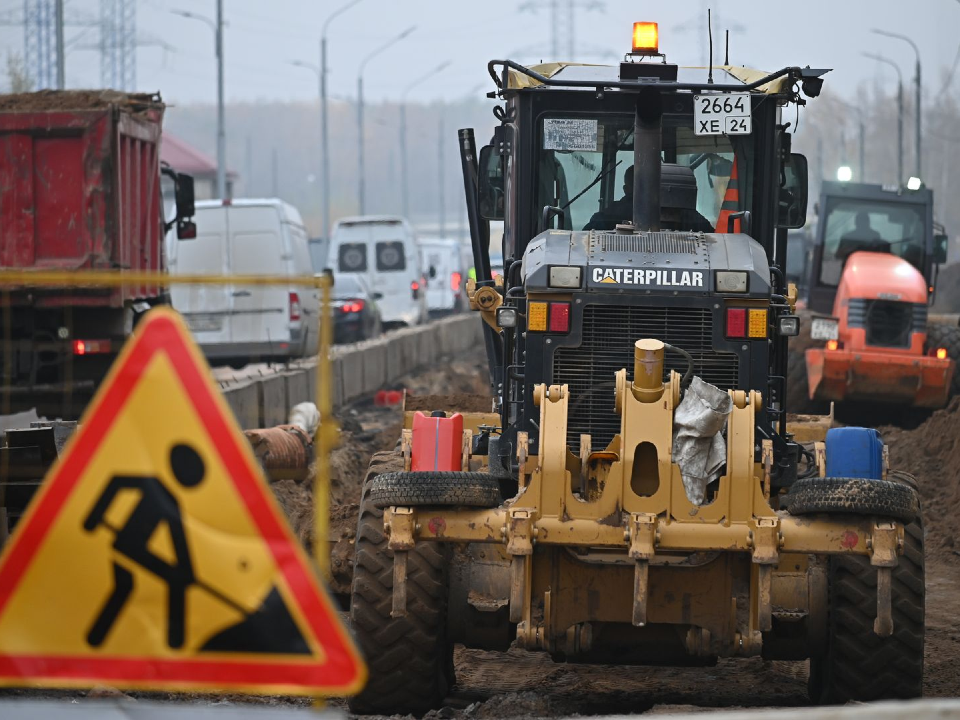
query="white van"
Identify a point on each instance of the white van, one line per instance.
(384, 251)
(446, 275)
(239, 324)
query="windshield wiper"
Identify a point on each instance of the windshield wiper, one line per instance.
(603, 171)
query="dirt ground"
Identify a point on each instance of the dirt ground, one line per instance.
(520, 684)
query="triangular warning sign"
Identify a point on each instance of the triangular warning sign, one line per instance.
(155, 556)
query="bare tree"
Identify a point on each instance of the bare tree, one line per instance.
(17, 77)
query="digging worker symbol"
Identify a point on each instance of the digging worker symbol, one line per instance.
(156, 506)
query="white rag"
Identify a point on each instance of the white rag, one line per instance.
(698, 445)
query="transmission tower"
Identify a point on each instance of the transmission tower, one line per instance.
(563, 24)
(40, 41)
(118, 44)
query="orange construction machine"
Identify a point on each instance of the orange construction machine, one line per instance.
(874, 270)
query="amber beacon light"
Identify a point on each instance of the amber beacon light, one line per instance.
(646, 39)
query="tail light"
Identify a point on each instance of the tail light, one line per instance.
(352, 307)
(415, 289)
(559, 317)
(90, 347)
(736, 322)
(833, 345)
(294, 307)
(455, 280)
(941, 353)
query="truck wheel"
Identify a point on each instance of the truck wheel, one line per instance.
(944, 335)
(408, 658)
(887, 498)
(449, 489)
(798, 397)
(858, 665)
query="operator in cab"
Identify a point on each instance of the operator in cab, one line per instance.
(620, 211)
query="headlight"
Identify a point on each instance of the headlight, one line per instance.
(506, 317)
(731, 282)
(564, 277)
(788, 325)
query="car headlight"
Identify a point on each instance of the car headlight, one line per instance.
(564, 277)
(730, 281)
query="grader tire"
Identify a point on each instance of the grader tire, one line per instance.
(858, 664)
(886, 498)
(446, 489)
(944, 335)
(409, 660)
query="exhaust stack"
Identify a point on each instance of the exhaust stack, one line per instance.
(647, 141)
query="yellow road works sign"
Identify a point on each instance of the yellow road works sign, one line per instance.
(155, 556)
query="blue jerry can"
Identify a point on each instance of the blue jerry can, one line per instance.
(854, 452)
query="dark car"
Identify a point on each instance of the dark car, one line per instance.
(356, 315)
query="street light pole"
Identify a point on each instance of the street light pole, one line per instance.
(325, 135)
(217, 28)
(891, 63)
(361, 185)
(919, 99)
(221, 120)
(61, 57)
(404, 177)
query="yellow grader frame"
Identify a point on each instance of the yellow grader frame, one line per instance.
(610, 537)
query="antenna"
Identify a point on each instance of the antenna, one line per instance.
(726, 54)
(710, 36)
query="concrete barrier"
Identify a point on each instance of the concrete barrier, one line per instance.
(273, 400)
(261, 396)
(244, 399)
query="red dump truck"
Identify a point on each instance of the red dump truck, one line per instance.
(80, 189)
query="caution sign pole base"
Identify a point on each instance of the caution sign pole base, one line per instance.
(155, 555)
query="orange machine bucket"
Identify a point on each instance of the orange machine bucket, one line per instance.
(920, 381)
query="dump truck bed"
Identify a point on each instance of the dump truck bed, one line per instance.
(80, 188)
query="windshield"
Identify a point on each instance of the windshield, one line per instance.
(875, 226)
(585, 168)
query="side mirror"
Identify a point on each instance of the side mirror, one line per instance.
(433, 272)
(184, 196)
(940, 243)
(329, 273)
(490, 184)
(376, 296)
(792, 208)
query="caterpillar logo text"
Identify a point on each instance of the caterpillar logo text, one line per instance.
(655, 278)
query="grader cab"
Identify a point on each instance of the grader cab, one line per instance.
(633, 493)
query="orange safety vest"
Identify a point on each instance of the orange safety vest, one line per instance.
(731, 201)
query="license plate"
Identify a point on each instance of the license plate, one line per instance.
(722, 114)
(822, 329)
(204, 323)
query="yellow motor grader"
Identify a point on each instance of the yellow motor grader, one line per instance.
(633, 494)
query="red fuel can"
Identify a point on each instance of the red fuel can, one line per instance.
(437, 441)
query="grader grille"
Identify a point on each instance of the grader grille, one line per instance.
(609, 332)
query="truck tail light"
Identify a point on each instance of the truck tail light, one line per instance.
(559, 317)
(294, 307)
(90, 347)
(736, 322)
(415, 289)
(455, 280)
(941, 353)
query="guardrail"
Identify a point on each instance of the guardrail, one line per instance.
(263, 397)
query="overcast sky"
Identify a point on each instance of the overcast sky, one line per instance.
(263, 36)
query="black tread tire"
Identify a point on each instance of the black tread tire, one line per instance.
(798, 398)
(859, 665)
(861, 496)
(408, 658)
(945, 335)
(446, 489)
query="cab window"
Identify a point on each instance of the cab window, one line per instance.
(585, 168)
